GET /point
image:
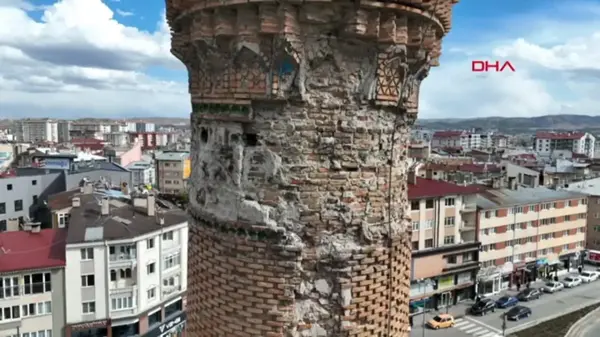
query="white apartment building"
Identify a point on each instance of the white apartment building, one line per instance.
(32, 302)
(145, 127)
(527, 234)
(127, 265)
(37, 130)
(576, 142)
(462, 139)
(142, 173)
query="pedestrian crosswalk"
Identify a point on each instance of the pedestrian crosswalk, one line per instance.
(473, 329)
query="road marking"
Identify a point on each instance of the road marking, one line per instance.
(482, 332)
(468, 326)
(461, 323)
(483, 324)
(473, 330)
(491, 334)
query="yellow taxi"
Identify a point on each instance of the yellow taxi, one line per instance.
(442, 321)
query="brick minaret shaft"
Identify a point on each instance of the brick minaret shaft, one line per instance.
(301, 119)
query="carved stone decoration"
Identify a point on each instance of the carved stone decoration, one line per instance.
(298, 193)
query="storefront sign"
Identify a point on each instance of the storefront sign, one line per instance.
(53, 163)
(445, 282)
(175, 323)
(89, 325)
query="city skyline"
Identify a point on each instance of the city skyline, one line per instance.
(114, 59)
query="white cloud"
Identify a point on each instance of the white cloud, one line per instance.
(552, 76)
(78, 60)
(123, 13)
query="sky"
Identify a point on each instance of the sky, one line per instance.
(93, 58)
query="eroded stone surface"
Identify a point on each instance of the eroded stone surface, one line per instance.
(300, 127)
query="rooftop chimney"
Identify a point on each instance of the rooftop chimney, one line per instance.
(36, 227)
(88, 188)
(76, 202)
(104, 206)
(151, 204)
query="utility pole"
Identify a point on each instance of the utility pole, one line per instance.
(504, 324)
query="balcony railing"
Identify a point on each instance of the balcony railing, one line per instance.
(467, 226)
(468, 208)
(170, 290)
(122, 257)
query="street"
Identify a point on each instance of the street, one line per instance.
(490, 325)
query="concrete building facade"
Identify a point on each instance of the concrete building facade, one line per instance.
(299, 149)
(444, 242)
(127, 265)
(591, 188)
(172, 172)
(32, 300)
(529, 233)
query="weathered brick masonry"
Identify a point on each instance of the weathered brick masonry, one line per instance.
(301, 116)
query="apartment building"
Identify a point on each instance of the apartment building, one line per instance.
(142, 173)
(64, 131)
(444, 242)
(172, 171)
(37, 130)
(32, 294)
(527, 234)
(142, 127)
(591, 188)
(577, 142)
(126, 257)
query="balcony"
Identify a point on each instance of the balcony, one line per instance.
(469, 208)
(467, 226)
(170, 290)
(122, 260)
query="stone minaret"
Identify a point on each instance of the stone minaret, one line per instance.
(301, 112)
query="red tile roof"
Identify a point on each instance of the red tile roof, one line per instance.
(429, 188)
(25, 250)
(447, 134)
(558, 135)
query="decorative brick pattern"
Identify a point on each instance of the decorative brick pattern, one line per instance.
(299, 214)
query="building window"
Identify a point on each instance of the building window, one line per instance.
(497, 213)
(415, 225)
(9, 287)
(155, 318)
(87, 281)
(452, 259)
(467, 257)
(584, 201)
(415, 245)
(34, 182)
(415, 205)
(113, 275)
(37, 283)
(9, 187)
(9, 313)
(172, 261)
(3, 225)
(149, 243)
(150, 268)
(428, 224)
(167, 236)
(35, 199)
(449, 202)
(88, 307)
(126, 273)
(429, 243)
(429, 204)
(532, 208)
(121, 303)
(2, 208)
(63, 220)
(511, 227)
(448, 239)
(449, 221)
(87, 253)
(151, 293)
(18, 205)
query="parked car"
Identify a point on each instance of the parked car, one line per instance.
(442, 321)
(588, 276)
(572, 281)
(529, 294)
(518, 312)
(552, 287)
(506, 301)
(483, 306)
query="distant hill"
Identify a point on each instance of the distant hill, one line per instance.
(514, 125)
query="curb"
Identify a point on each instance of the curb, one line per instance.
(576, 329)
(551, 317)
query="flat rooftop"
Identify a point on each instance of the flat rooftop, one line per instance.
(127, 216)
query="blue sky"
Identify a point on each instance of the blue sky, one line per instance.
(74, 58)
